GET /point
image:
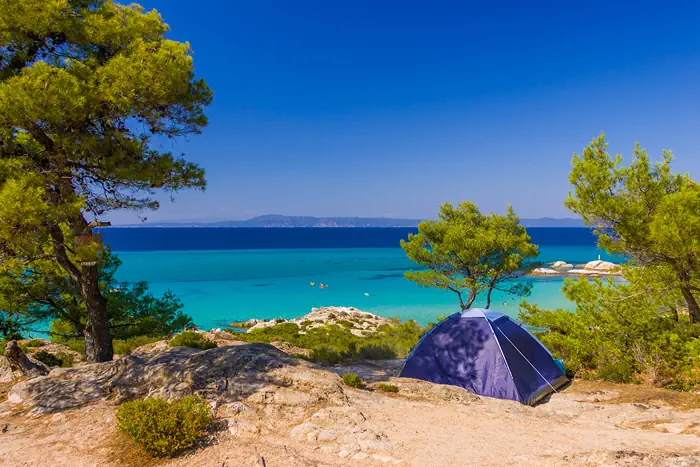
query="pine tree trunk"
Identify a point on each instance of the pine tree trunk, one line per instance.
(98, 340)
(492, 285)
(693, 307)
(470, 301)
(488, 298)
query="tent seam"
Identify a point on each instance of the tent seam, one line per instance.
(505, 360)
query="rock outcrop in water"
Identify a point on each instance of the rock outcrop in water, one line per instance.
(359, 322)
(593, 269)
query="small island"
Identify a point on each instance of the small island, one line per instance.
(596, 268)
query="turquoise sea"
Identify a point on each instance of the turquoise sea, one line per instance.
(218, 286)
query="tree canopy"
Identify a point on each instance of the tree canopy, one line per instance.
(89, 89)
(132, 309)
(644, 211)
(469, 253)
(618, 333)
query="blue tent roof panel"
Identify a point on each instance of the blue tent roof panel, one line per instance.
(488, 353)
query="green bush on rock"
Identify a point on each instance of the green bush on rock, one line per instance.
(332, 344)
(164, 428)
(76, 345)
(126, 346)
(193, 340)
(36, 343)
(67, 359)
(352, 380)
(47, 358)
(384, 387)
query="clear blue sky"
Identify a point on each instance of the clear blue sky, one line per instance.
(389, 108)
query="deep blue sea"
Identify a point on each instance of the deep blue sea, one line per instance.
(234, 274)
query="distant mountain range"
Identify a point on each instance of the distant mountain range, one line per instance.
(274, 220)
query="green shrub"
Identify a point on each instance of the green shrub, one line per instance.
(352, 380)
(620, 371)
(619, 334)
(35, 343)
(333, 344)
(164, 428)
(67, 359)
(377, 352)
(384, 387)
(76, 345)
(126, 346)
(193, 340)
(301, 356)
(328, 356)
(47, 358)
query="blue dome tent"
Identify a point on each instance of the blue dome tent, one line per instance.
(487, 353)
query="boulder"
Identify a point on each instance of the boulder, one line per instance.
(601, 266)
(6, 373)
(20, 365)
(587, 272)
(544, 272)
(329, 315)
(562, 265)
(262, 324)
(227, 374)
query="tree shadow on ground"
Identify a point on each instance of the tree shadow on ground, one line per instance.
(371, 371)
(452, 354)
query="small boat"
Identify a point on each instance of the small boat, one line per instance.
(312, 283)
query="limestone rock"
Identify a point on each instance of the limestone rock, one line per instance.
(6, 373)
(675, 428)
(598, 265)
(562, 265)
(343, 430)
(544, 272)
(358, 322)
(227, 374)
(586, 272)
(239, 428)
(21, 365)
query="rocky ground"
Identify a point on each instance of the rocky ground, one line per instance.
(274, 410)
